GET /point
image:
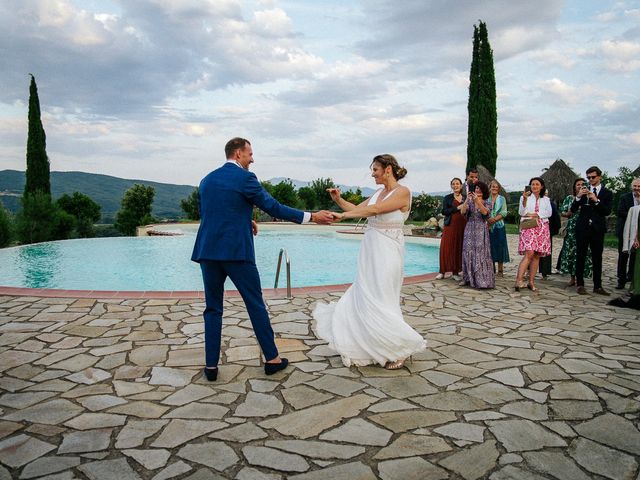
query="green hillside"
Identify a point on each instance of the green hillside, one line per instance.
(104, 189)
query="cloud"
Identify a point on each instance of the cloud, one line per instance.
(427, 27)
(631, 139)
(129, 62)
(621, 56)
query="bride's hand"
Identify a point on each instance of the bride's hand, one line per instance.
(337, 215)
(335, 193)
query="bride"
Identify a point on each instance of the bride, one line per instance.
(366, 325)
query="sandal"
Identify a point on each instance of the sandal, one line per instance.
(398, 364)
(532, 288)
(518, 286)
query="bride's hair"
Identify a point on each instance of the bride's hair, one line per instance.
(388, 160)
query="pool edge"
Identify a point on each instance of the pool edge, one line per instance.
(177, 294)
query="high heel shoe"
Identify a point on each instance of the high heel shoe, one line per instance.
(532, 288)
(518, 286)
(398, 364)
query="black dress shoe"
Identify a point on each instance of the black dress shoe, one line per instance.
(581, 291)
(600, 291)
(211, 374)
(271, 368)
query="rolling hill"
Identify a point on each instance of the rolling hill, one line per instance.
(106, 190)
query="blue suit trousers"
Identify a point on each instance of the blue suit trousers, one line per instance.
(244, 275)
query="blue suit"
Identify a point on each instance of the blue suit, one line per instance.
(224, 248)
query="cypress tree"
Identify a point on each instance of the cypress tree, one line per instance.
(37, 174)
(482, 145)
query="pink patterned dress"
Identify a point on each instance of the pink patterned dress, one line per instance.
(537, 239)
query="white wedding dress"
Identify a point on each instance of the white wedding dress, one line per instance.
(366, 325)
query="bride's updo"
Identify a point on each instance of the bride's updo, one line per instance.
(388, 160)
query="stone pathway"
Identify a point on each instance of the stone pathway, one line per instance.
(512, 386)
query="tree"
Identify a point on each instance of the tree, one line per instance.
(285, 193)
(353, 197)
(6, 227)
(423, 207)
(135, 209)
(35, 221)
(323, 199)
(37, 174)
(190, 205)
(482, 129)
(85, 211)
(308, 198)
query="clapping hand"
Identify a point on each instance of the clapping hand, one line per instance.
(322, 217)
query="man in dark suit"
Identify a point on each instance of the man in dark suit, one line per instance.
(470, 182)
(626, 260)
(224, 248)
(595, 203)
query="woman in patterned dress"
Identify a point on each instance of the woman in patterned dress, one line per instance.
(567, 257)
(453, 232)
(477, 267)
(534, 242)
(497, 232)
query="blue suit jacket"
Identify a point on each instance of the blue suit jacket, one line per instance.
(226, 199)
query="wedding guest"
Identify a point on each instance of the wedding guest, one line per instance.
(595, 203)
(544, 267)
(626, 260)
(567, 258)
(535, 241)
(631, 241)
(471, 180)
(477, 267)
(453, 232)
(497, 231)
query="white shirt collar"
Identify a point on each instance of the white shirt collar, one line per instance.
(234, 162)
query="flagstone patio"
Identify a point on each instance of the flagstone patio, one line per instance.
(512, 386)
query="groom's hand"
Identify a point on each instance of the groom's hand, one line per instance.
(323, 217)
(254, 227)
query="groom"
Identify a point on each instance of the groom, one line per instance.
(224, 248)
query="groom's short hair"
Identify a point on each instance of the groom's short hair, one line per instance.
(234, 144)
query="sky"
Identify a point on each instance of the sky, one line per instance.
(153, 89)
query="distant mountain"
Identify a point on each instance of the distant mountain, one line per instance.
(106, 190)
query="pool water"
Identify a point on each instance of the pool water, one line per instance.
(318, 257)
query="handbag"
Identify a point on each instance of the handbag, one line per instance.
(528, 222)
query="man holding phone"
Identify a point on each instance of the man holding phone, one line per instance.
(595, 203)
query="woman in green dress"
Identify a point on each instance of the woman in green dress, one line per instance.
(567, 257)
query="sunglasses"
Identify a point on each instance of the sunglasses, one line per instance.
(591, 176)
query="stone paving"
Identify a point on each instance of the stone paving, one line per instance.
(512, 386)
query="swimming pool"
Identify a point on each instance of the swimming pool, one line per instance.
(319, 256)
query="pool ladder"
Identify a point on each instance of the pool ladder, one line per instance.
(288, 262)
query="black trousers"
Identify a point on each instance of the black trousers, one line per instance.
(585, 239)
(626, 262)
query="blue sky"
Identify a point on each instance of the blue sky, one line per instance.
(154, 89)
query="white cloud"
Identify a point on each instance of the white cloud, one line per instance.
(631, 139)
(621, 56)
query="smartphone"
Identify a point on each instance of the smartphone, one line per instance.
(527, 188)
